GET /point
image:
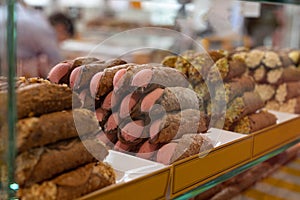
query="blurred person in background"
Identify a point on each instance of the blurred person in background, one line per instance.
(268, 26)
(37, 46)
(63, 25)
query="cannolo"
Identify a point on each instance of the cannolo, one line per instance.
(254, 58)
(71, 185)
(200, 65)
(294, 55)
(102, 115)
(202, 91)
(174, 125)
(132, 132)
(285, 59)
(170, 99)
(61, 72)
(80, 77)
(129, 104)
(40, 98)
(236, 87)
(272, 105)
(259, 74)
(112, 124)
(254, 122)
(282, 75)
(39, 164)
(271, 60)
(291, 106)
(46, 129)
(182, 64)
(249, 103)
(169, 61)
(287, 91)
(159, 76)
(102, 82)
(289, 57)
(148, 150)
(127, 148)
(123, 77)
(87, 101)
(227, 68)
(265, 91)
(188, 145)
(108, 139)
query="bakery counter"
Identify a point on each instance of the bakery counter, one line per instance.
(233, 153)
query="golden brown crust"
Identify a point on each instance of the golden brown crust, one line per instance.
(190, 144)
(265, 91)
(34, 131)
(71, 185)
(42, 163)
(175, 125)
(40, 98)
(255, 122)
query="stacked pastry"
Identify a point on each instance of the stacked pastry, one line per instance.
(142, 108)
(277, 75)
(220, 79)
(55, 144)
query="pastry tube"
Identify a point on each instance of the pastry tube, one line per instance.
(175, 125)
(62, 71)
(111, 124)
(102, 116)
(39, 164)
(102, 82)
(265, 91)
(254, 122)
(73, 184)
(159, 76)
(87, 101)
(294, 55)
(40, 98)
(128, 104)
(282, 75)
(272, 105)
(80, 77)
(271, 60)
(84, 60)
(127, 148)
(291, 106)
(148, 150)
(58, 73)
(188, 145)
(48, 128)
(132, 132)
(108, 139)
(170, 99)
(287, 91)
(249, 103)
(199, 66)
(227, 68)
(286, 60)
(254, 58)
(123, 77)
(169, 61)
(236, 87)
(259, 74)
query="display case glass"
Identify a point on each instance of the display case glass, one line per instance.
(7, 99)
(142, 32)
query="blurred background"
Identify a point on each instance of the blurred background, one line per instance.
(80, 26)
